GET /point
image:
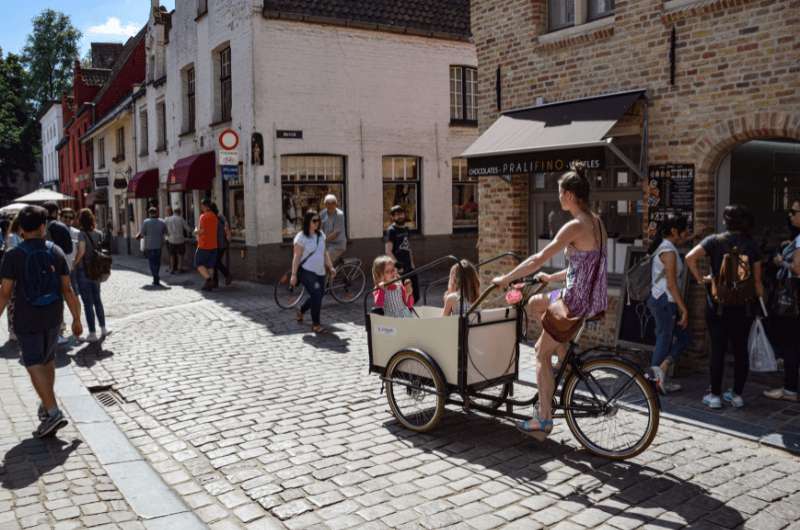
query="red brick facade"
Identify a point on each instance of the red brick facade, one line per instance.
(737, 78)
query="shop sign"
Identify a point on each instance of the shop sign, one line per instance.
(290, 135)
(101, 182)
(670, 190)
(120, 183)
(535, 162)
(230, 172)
(228, 158)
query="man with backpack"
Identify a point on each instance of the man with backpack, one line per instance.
(36, 272)
(734, 287)
(57, 232)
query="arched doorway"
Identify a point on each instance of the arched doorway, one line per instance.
(763, 175)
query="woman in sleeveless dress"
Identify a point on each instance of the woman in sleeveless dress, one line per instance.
(586, 288)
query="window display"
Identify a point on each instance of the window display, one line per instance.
(305, 181)
(465, 197)
(401, 186)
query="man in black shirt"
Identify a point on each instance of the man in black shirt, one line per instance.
(36, 272)
(397, 246)
(57, 232)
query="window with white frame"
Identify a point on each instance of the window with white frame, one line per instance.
(305, 181)
(202, 7)
(465, 197)
(189, 114)
(161, 118)
(120, 145)
(464, 95)
(143, 133)
(401, 186)
(225, 96)
(101, 153)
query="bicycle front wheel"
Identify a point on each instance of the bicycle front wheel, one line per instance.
(285, 295)
(348, 284)
(611, 409)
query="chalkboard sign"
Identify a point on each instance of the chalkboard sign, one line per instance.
(670, 190)
(635, 324)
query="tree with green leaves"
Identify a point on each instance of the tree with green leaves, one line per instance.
(49, 54)
(18, 129)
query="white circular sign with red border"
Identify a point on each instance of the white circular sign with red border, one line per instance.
(228, 139)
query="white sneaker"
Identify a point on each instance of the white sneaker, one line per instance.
(711, 401)
(91, 337)
(104, 332)
(732, 399)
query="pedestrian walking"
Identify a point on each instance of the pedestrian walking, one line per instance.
(309, 263)
(68, 218)
(178, 231)
(57, 232)
(90, 239)
(666, 302)
(36, 273)
(397, 246)
(584, 296)
(205, 257)
(223, 240)
(153, 232)
(788, 263)
(333, 228)
(13, 239)
(732, 287)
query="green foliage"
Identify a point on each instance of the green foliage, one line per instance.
(18, 130)
(49, 54)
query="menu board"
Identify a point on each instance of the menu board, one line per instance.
(670, 189)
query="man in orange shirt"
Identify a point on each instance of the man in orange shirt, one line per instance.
(206, 255)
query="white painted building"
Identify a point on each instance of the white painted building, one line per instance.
(52, 126)
(373, 112)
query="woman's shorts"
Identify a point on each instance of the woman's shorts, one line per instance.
(205, 258)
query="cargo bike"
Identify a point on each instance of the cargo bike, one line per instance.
(471, 360)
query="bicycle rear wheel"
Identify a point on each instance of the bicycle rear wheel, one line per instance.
(348, 284)
(285, 295)
(611, 409)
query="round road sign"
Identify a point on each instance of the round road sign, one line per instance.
(228, 139)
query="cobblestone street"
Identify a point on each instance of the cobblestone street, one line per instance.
(257, 423)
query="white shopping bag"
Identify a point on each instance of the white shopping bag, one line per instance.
(762, 357)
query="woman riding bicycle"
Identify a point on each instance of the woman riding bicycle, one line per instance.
(585, 294)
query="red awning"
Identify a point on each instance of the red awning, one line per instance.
(194, 172)
(144, 184)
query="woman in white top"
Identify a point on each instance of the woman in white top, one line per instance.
(666, 302)
(309, 263)
(790, 261)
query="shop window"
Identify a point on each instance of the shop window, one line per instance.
(120, 145)
(226, 101)
(305, 181)
(463, 95)
(561, 13)
(616, 196)
(401, 186)
(189, 114)
(465, 197)
(233, 191)
(101, 153)
(143, 133)
(161, 121)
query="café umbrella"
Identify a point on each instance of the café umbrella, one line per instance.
(12, 209)
(43, 195)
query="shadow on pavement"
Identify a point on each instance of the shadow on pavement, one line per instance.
(9, 350)
(24, 463)
(555, 471)
(91, 354)
(328, 341)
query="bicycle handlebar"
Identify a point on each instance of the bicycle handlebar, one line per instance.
(482, 298)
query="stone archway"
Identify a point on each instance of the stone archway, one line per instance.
(719, 140)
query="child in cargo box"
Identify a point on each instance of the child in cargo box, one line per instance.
(395, 299)
(467, 276)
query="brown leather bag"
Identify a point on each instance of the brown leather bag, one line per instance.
(557, 321)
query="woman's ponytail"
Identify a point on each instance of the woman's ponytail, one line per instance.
(576, 181)
(671, 222)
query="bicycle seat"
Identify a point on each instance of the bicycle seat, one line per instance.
(347, 261)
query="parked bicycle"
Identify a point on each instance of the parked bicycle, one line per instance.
(346, 286)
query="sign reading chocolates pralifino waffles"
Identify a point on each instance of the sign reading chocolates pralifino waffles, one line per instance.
(535, 162)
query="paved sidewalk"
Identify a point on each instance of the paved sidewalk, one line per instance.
(53, 483)
(259, 424)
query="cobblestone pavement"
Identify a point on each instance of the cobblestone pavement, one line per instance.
(259, 424)
(53, 483)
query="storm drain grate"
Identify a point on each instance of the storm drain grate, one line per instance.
(107, 397)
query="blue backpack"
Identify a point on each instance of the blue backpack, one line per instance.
(41, 283)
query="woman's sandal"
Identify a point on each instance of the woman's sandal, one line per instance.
(536, 428)
(299, 316)
(318, 329)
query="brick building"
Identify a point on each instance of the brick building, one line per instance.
(704, 92)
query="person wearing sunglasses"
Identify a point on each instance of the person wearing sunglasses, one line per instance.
(309, 263)
(788, 263)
